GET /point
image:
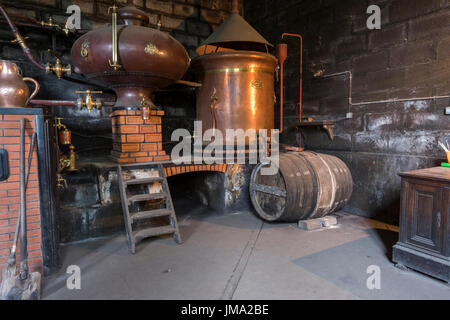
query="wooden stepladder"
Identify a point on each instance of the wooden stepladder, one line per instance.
(148, 176)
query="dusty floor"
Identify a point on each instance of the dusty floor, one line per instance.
(240, 257)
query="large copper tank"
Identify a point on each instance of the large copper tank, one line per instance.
(237, 76)
(237, 90)
(149, 58)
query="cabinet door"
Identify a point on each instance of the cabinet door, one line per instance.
(424, 222)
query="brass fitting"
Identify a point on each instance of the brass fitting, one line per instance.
(20, 40)
(58, 69)
(49, 23)
(146, 107)
(60, 181)
(73, 159)
(88, 102)
(59, 125)
(68, 163)
(66, 29)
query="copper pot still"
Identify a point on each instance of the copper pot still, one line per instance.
(14, 92)
(147, 58)
(237, 90)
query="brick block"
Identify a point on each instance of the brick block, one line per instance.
(129, 129)
(149, 129)
(412, 54)
(135, 138)
(185, 10)
(149, 146)
(212, 16)
(173, 23)
(388, 36)
(443, 50)
(433, 25)
(199, 28)
(372, 62)
(309, 225)
(153, 138)
(133, 119)
(160, 6)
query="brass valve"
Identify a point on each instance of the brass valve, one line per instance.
(60, 181)
(49, 23)
(88, 102)
(59, 125)
(68, 162)
(58, 69)
(66, 29)
(146, 107)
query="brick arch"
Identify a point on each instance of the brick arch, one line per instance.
(172, 170)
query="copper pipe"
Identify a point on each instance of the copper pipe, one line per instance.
(282, 55)
(235, 6)
(301, 74)
(63, 103)
(301, 67)
(20, 39)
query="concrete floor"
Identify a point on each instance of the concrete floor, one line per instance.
(240, 257)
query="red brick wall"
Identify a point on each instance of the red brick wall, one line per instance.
(10, 193)
(135, 139)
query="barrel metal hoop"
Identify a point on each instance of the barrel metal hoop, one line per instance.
(253, 188)
(270, 190)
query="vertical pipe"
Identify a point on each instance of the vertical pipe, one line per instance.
(300, 75)
(115, 46)
(282, 55)
(235, 6)
(23, 225)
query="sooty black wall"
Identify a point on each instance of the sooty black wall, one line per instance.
(409, 57)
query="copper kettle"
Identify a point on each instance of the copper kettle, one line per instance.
(14, 93)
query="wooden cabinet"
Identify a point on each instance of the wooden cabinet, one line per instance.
(424, 241)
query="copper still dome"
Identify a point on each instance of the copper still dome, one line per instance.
(237, 74)
(149, 59)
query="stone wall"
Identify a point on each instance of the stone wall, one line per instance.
(408, 58)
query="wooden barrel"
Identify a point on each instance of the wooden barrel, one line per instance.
(307, 185)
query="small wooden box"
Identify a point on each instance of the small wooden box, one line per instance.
(424, 241)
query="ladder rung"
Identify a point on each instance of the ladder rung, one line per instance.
(150, 214)
(143, 180)
(150, 232)
(147, 196)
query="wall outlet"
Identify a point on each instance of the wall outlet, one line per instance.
(447, 111)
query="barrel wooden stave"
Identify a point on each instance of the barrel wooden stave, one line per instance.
(315, 184)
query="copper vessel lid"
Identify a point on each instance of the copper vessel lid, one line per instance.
(235, 34)
(130, 15)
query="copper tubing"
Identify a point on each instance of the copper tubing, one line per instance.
(20, 39)
(300, 75)
(282, 55)
(301, 68)
(63, 103)
(235, 6)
